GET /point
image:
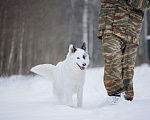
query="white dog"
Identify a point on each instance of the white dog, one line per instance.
(68, 76)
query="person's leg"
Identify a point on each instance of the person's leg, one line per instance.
(111, 50)
(129, 56)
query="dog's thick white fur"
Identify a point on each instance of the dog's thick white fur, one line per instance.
(68, 76)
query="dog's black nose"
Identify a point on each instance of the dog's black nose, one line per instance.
(84, 64)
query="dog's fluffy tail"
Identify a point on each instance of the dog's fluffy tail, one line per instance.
(45, 70)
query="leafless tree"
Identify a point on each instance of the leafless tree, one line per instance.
(39, 31)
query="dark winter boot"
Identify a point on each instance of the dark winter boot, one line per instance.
(126, 98)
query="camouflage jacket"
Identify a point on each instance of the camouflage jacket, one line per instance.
(123, 18)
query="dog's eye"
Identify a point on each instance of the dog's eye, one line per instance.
(83, 57)
(78, 58)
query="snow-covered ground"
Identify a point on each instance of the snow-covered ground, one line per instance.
(31, 98)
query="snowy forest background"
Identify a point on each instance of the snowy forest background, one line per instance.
(39, 31)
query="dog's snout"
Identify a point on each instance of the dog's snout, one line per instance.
(84, 64)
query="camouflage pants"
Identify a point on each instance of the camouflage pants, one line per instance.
(119, 65)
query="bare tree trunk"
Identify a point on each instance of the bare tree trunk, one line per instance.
(71, 23)
(91, 36)
(21, 47)
(142, 49)
(11, 50)
(3, 41)
(145, 35)
(85, 23)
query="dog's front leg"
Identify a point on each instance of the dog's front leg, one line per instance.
(69, 100)
(80, 97)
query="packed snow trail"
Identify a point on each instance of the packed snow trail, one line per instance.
(31, 98)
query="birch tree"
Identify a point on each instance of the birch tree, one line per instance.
(85, 23)
(91, 30)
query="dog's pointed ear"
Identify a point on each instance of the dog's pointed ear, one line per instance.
(84, 46)
(72, 49)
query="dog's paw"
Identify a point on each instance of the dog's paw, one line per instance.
(71, 105)
(79, 105)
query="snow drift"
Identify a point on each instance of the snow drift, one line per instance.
(31, 98)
